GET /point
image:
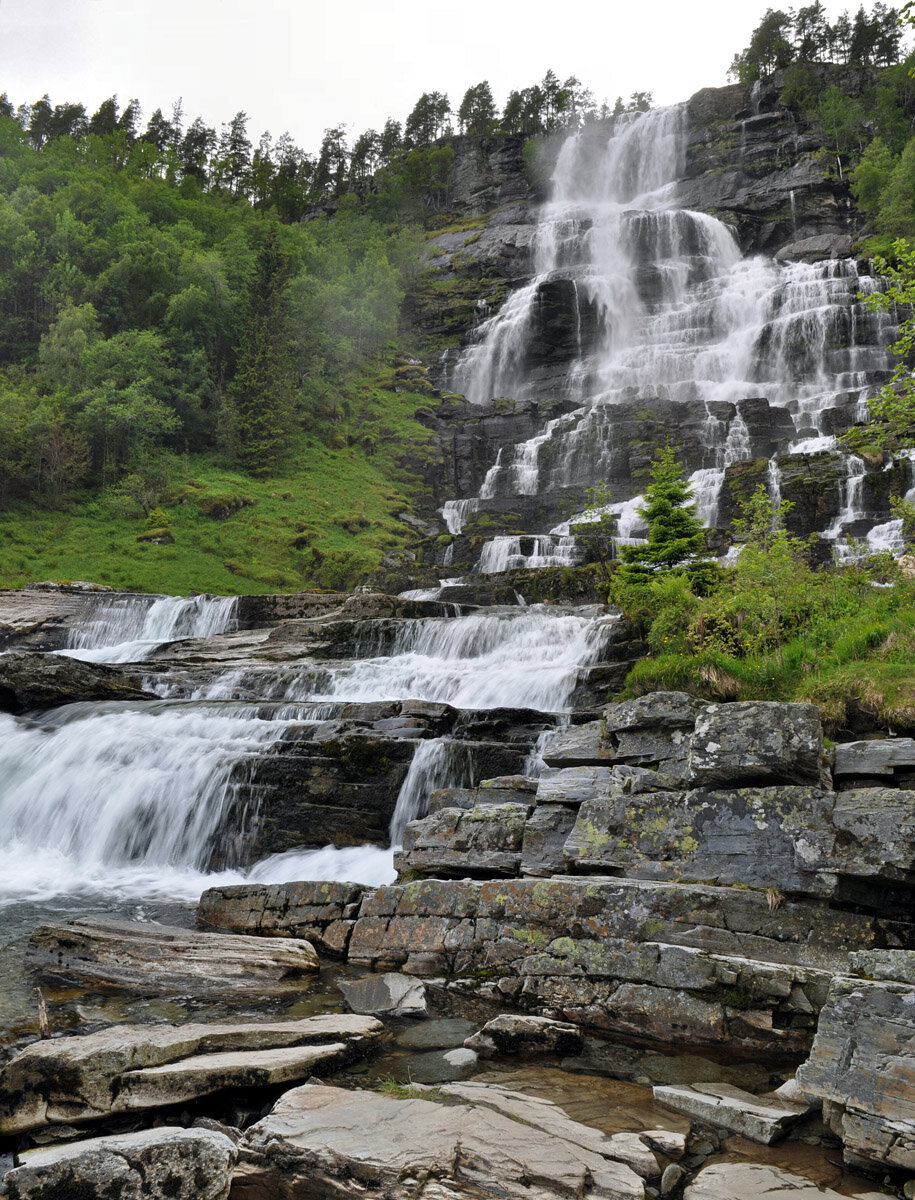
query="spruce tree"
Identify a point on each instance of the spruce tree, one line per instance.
(675, 533)
(259, 399)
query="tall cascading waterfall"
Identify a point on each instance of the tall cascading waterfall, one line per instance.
(656, 303)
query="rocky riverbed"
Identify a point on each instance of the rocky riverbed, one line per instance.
(651, 948)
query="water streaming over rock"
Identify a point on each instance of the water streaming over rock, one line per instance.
(127, 628)
(142, 799)
(635, 299)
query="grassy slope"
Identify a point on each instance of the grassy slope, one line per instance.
(326, 520)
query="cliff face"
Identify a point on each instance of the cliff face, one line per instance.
(799, 365)
(749, 161)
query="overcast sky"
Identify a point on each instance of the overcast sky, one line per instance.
(304, 65)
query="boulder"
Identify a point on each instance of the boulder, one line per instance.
(545, 835)
(817, 248)
(764, 1119)
(756, 742)
(492, 1142)
(513, 1033)
(152, 1164)
(574, 785)
(153, 960)
(893, 966)
(862, 1066)
(578, 746)
(482, 842)
(38, 681)
(770, 837)
(876, 829)
(79, 1079)
(655, 710)
(391, 995)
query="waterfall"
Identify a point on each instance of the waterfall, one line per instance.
(437, 763)
(850, 492)
(127, 628)
(119, 797)
(516, 658)
(456, 512)
(135, 799)
(675, 314)
(527, 551)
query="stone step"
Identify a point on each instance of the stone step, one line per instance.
(764, 1119)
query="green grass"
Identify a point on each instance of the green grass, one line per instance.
(854, 656)
(326, 520)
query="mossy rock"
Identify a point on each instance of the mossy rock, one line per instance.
(158, 537)
(221, 507)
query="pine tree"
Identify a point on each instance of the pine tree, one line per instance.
(259, 399)
(675, 533)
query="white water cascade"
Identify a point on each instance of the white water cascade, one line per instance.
(666, 310)
(133, 799)
(529, 657)
(127, 628)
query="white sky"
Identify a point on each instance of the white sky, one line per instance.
(304, 65)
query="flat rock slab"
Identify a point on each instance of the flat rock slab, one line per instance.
(77, 1079)
(149, 959)
(154, 1164)
(478, 1144)
(439, 1066)
(443, 1034)
(204, 1074)
(393, 994)
(764, 1119)
(881, 757)
(759, 1181)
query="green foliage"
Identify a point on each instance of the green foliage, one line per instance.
(770, 587)
(259, 408)
(595, 530)
(139, 315)
(675, 534)
(870, 177)
(841, 120)
(904, 510)
(892, 410)
(325, 520)
(804, 35)
(772, 628)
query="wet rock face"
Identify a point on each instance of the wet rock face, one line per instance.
(758, 167)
